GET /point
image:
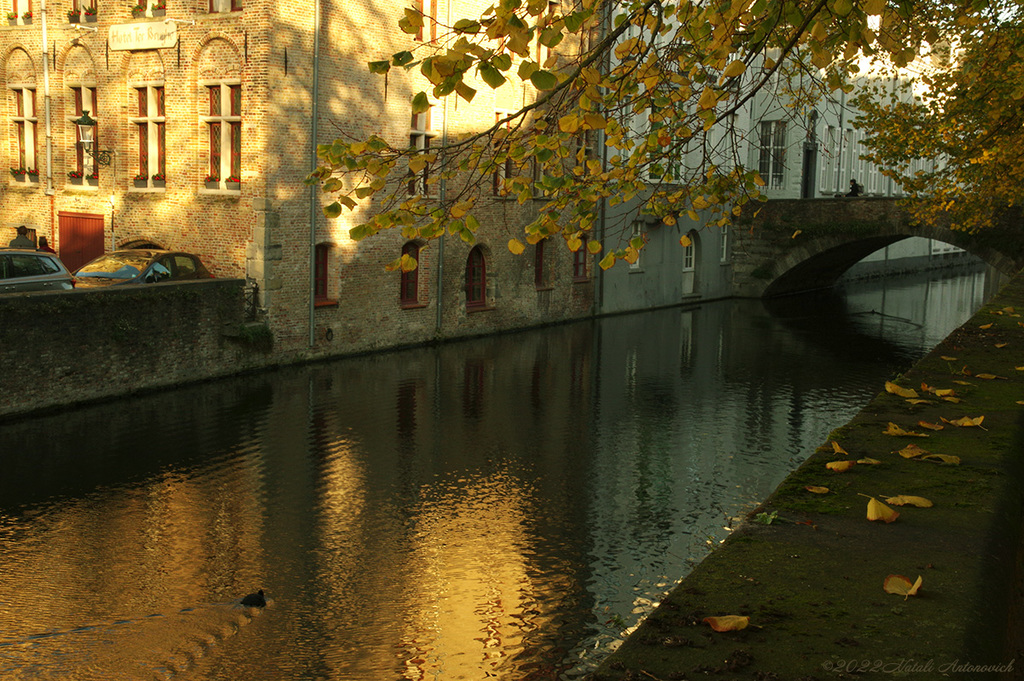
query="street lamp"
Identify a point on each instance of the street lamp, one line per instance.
(86, 126)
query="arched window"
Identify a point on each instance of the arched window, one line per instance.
(476, 279)
(409, 291)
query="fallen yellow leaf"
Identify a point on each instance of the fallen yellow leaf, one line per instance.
(905, 500)
(1019, 368)
(963, 382)
(930, 426)
(868, 460)
(954, 400)
(879, 511)
(796, 233)
(840, 466)
(901, 586)
(948, 359)
(944, 392)
(895, 430)
(728, 622)
(1001, 345)
(897, 390)
(944, 458)
(966, 421)
(989, 377)
(816, 489)
(921, 401)
(986, 326)
(839, 450)
(1008, 310)
(910, 451)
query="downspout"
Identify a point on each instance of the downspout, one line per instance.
(46, 115)
(842, 138)
(313, 207)
(438, 323)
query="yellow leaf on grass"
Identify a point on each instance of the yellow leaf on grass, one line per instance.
(879, 511)
(944, 458)
(966, 421)
(948, 359)
(817, 489)
(896, 431)
(910, 451)
(989, 377)
(796, 233)
(906, 500)
(901, 586)
(920, 401)
(986, 326)
(1001, 345)
(839, 450)
(728, 622)
(954, 400)
(1019, 368)
(840, 466)
(869, 461)
(897, 390)
(930, 426)
(963, 382)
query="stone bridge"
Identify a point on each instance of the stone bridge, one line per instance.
(806, 244)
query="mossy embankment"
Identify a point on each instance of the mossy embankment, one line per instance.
(811, 580)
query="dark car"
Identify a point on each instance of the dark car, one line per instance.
(142, 266)
(23, 270)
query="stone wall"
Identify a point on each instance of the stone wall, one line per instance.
(61, 348)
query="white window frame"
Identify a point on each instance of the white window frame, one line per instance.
(26, 126)
(772, 153)
(421, 131)
(637, 229)
(227, 121)
(84, 162)
(153, 122)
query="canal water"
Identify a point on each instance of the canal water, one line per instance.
(503, 508)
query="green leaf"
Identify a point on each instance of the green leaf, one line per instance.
(466, 26)
(574, 21)
(332, 185)
(543, 80)
(464, 91)
(502, 62)
(402, 58)
(420, 103)
(333, 210)
(550, 37)
(491, 75)
(379, 66)
(471, 223)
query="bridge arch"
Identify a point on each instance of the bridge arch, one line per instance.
(796, 246)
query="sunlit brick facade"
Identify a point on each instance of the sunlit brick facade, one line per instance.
(212, 139)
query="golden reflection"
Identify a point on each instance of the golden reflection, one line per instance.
(471, 579)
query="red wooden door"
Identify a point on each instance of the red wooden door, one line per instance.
(81, 238)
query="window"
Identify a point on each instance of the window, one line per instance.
(579, 262)
(151, 131)
(637, 231)
(420, 134)
(829, 166)
(25, 129)
(724, 255)
(224, 129)
(584, 151)
(22, 8)
(540, 273)
(320, 272)
(689, 269)
(476, 279)
(428, 31)
(773, 153)
(82, 9)
(505, 168)
(85, 99)
(217, 6)
(410, 284)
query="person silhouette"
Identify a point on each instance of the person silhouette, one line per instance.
(22, 240)
(855, 189)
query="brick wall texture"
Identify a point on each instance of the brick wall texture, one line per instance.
(266, 229)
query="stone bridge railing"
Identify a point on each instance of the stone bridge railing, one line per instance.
(805, 244)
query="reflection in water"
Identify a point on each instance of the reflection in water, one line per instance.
(499, 508)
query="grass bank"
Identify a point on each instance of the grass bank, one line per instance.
(807, 567)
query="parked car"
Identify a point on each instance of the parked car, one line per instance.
(140, 266)
(23, 270)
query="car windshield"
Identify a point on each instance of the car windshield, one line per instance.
(116, 266)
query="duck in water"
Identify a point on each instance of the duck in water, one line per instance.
(256, 600)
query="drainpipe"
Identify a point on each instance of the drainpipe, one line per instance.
(842, 137)
(438, 323)
(46, 113)
(313, 207)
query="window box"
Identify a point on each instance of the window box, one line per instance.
(12, 18)
(73, 16)
(76, 180)
(140, 184)
(234, 186)
(159, 181)
(159, 11)
(26, 18)
(90, 15)
(213, 184)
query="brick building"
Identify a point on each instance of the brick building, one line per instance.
(208, 107)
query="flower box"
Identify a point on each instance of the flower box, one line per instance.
(233, 186)
(212, 184)
(73, 16)
(76, 180)
(141, 182)
(92, 181)
(90, 15)
(159, 11)
(26, 18)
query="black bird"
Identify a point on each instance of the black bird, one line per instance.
(255, 600)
